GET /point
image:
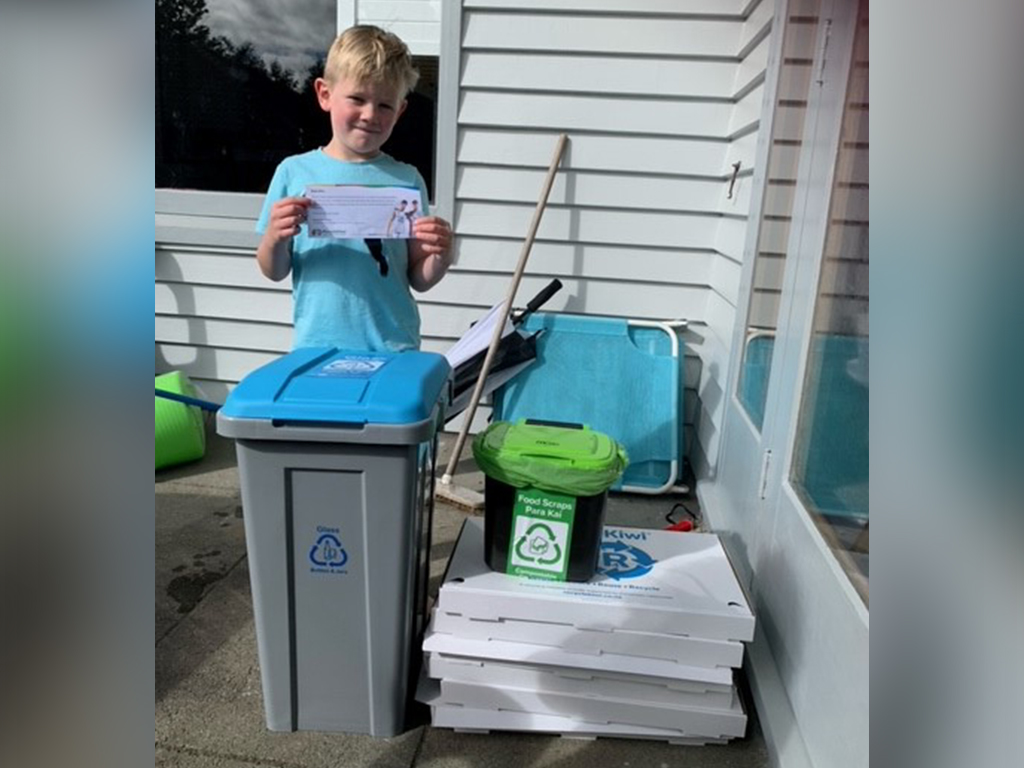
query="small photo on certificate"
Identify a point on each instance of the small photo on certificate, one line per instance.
(351, 211)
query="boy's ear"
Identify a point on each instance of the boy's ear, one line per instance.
(323, 93)
(401, 109)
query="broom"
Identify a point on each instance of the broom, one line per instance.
(445, 489)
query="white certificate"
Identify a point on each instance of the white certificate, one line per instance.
(348, 211)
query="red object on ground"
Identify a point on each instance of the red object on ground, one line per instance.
(682, 525)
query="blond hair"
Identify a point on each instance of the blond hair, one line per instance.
(370, 54)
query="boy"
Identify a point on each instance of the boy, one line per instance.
(351, 293)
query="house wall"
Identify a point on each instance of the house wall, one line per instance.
(217, 318)
(659, 99)
(417, 22)
(841, 307)
(715, 345)
(808, 659)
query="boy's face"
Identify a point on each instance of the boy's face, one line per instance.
(363, 115)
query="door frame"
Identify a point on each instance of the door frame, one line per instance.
(808, 661)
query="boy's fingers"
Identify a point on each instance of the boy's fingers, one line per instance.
(432, 229)
(294, 215)
(293, 205)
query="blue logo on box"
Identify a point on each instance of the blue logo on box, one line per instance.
(353, 367)
(623, 561)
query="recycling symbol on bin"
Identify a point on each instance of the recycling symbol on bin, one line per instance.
(328, 552)
(538, 540)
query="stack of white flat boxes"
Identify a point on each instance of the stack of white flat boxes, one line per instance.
(645, 649)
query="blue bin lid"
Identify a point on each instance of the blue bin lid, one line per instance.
(330, 385)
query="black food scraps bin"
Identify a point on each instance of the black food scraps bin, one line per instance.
(546, 488)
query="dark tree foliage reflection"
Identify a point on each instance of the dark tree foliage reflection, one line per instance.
(224, 119)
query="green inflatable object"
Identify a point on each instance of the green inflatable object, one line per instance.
(180, 432)
(568, 460)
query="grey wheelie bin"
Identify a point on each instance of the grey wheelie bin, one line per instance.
(336, 457)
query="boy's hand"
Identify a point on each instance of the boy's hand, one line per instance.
(285, 217)
(434, 235)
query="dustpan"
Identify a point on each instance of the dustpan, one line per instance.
(515, 352)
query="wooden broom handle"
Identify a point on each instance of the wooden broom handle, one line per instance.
(500, 326)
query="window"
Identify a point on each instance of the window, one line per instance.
(830, 467)
(234, 93)
(776, 215)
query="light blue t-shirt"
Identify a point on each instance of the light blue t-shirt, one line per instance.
(340, 298)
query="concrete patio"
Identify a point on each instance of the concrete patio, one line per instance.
(209, 709)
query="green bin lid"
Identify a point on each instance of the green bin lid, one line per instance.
(573, 460)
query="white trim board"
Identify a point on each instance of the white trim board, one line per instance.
(774, 712)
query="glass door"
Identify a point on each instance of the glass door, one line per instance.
(791, 488)
(829, 467)
(788, 122)
(740, 475)
(812, 563)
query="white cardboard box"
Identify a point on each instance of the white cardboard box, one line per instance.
(606, 685)
(651, 581)
(504, 651)
(475, 719)
(693, 651)
(691, 721)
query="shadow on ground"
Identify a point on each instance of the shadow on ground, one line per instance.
(209, 705)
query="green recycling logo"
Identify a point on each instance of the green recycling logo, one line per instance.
(538, 541)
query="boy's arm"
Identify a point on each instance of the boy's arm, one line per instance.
(274, 258)
(429, 252)
(274, 253)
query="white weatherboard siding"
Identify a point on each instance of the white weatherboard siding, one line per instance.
(417, 22)
(217, 317)
(715, 341)
(659, 98)
(775, 211)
